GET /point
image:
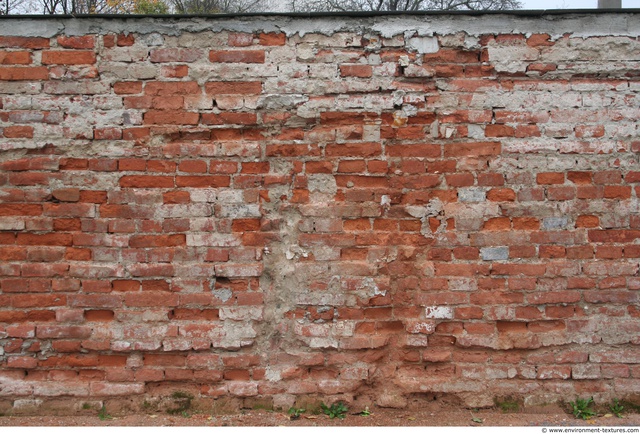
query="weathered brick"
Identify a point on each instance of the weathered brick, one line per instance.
(11, 73)
(237, 56)
(77, 42)
(75, 57)
(233, 87)
(23, 42)
(15, 57)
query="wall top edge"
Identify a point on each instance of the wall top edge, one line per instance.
(577, 23)
(514, 12)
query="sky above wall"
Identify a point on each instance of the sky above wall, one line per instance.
(572, 4)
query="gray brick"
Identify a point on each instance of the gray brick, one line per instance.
(494, 253)
(550, 223)
(472, 195)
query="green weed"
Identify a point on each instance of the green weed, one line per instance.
(617, 408)
(337, 410)
(103, 415)
(294, 413)
(582, 408)
(365, 412)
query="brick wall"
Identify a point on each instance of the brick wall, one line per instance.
(269, 209)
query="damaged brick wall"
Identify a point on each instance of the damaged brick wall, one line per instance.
(367, 209)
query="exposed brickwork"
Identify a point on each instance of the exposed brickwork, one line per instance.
(257, 215)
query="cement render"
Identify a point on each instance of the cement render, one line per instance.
(579, 25)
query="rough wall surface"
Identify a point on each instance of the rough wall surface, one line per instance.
(263, 209)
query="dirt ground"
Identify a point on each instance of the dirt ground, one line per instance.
(549, 417)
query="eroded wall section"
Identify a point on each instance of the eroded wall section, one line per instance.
(266, 209)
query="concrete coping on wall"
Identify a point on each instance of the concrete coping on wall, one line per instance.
(579, 23)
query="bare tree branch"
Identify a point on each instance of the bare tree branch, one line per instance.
(400, 5)
(220, 6)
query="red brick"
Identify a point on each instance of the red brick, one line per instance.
(59, 331)
(203, 181)
(460, 180)
(501, 195)
(496, 130)
(23, 362)
(357, 70)
(617, 192)
(77, 42)
(497, 224)
(107, 133)
(15, 57)
(353, 150)
(175, 71)
(417, 150)
(23, 42)
(132, 165)
(125, 40)
(561, 193)
(138, 241)
(548, 251)
(98, 315)
(580, 177)
(472, 149)
(145, 181)
(171, 117)
(613, 236)
(75, 57)
(193, 166)
(229, 118)
(161, 166)
(11, 73)
(18, 132)
(125, 285)
(52, 239)
(109, 41)
(150, 299)
(608, 177)
(173, 197)
(233, 87)
(539, 40)
(445, 55)
(236, 56)
(271, 39)
(169, 88)
(550, 178)
(127, 87)
(155, 285)
(19, 209)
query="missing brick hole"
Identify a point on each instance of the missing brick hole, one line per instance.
(221, 282)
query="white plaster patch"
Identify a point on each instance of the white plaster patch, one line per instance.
(222, 294)
(424, 45)
(422, 327)
(272, 374)
(438, 312)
